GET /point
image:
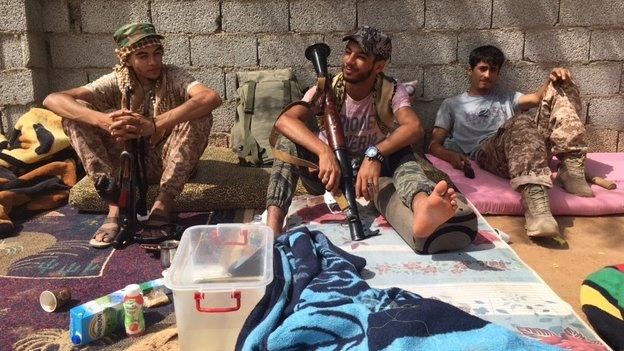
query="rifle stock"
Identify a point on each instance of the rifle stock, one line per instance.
(317, 54)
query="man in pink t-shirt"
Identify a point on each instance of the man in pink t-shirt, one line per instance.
(365, 56)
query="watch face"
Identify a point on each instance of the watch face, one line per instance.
(371, 152)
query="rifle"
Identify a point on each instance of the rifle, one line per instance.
(317, 54)
(131, 175)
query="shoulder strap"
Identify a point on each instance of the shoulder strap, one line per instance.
(249, 144)
(284, 156)
(385, 88)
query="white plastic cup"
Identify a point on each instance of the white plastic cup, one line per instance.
(52, 300)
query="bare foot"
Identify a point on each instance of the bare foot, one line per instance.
(433, 210)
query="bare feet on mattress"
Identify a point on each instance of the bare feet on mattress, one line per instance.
(433, 210)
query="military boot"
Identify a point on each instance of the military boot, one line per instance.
(572, 175)
(539, 220)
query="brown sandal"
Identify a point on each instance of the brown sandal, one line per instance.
(157, 228)
(109, 229)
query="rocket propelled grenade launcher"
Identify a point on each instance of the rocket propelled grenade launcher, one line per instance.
(317, 54)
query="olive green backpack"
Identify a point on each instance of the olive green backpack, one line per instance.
(261, 97)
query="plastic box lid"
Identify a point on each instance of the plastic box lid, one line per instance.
(222, 257)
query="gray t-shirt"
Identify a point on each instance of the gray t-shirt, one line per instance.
(472, 119)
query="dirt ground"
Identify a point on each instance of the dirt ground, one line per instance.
(592, 243)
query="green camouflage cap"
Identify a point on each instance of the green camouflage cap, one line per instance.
(132, 33)
(372, 40)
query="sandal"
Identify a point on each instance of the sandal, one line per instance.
(109, 231)
(157, 224)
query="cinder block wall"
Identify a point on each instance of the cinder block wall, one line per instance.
(23, 59)
(57, 44)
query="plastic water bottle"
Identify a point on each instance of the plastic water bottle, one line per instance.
(134, 321)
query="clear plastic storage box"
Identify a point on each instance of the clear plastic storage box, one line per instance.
(218, 275)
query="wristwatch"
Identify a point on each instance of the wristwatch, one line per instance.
(372, 152)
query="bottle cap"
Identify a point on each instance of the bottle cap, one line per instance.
(133, 290)
(76, 339)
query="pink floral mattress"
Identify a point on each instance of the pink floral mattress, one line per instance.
(491, 194)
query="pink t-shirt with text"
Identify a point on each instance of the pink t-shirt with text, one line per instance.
(358, 119)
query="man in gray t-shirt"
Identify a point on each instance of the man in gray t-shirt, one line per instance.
(486, 125)
(472, 119)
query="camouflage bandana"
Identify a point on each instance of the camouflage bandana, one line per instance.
(134, 36)
(372, 40)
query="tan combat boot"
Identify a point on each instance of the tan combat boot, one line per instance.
(572, 175)
(539, 220)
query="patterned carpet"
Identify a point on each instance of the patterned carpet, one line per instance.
(51, 251)
(487, 279)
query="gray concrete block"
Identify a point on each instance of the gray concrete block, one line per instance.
(601, 78)
(13, 15)
(82, 51)
(105, 16)
(557, 45)
(394, 15)
(407, 74)
(17, 87)
(64, 79)
(224, 117)
(424, 48)
(40, 84)
(426, 111)
(11, 113)
(95, 73)
(458, 14)
(441, 82)
(510, 41)
(213, 78)
(524, 14)
(523, 77)
(285, 50)
(13, 51)
(34, 13)
(307, 15)
(334, 40)
(306, 77)
(223, 50)
(607, 112)
(35, 50)
(600, 139)
(607, 45)
(231, 85)
(255, 16)
(177, 50)
(591, 13)
(56, 18)
(195, 16)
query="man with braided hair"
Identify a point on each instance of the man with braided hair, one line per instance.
(178, 122)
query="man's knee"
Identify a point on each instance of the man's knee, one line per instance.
(203, 121)
(522, 129)
(201, 125)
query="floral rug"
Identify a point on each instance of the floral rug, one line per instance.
(487, 279)
(51, 251)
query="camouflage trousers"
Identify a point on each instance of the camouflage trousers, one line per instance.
(407, 175)
(169, 162)
(522, 147)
